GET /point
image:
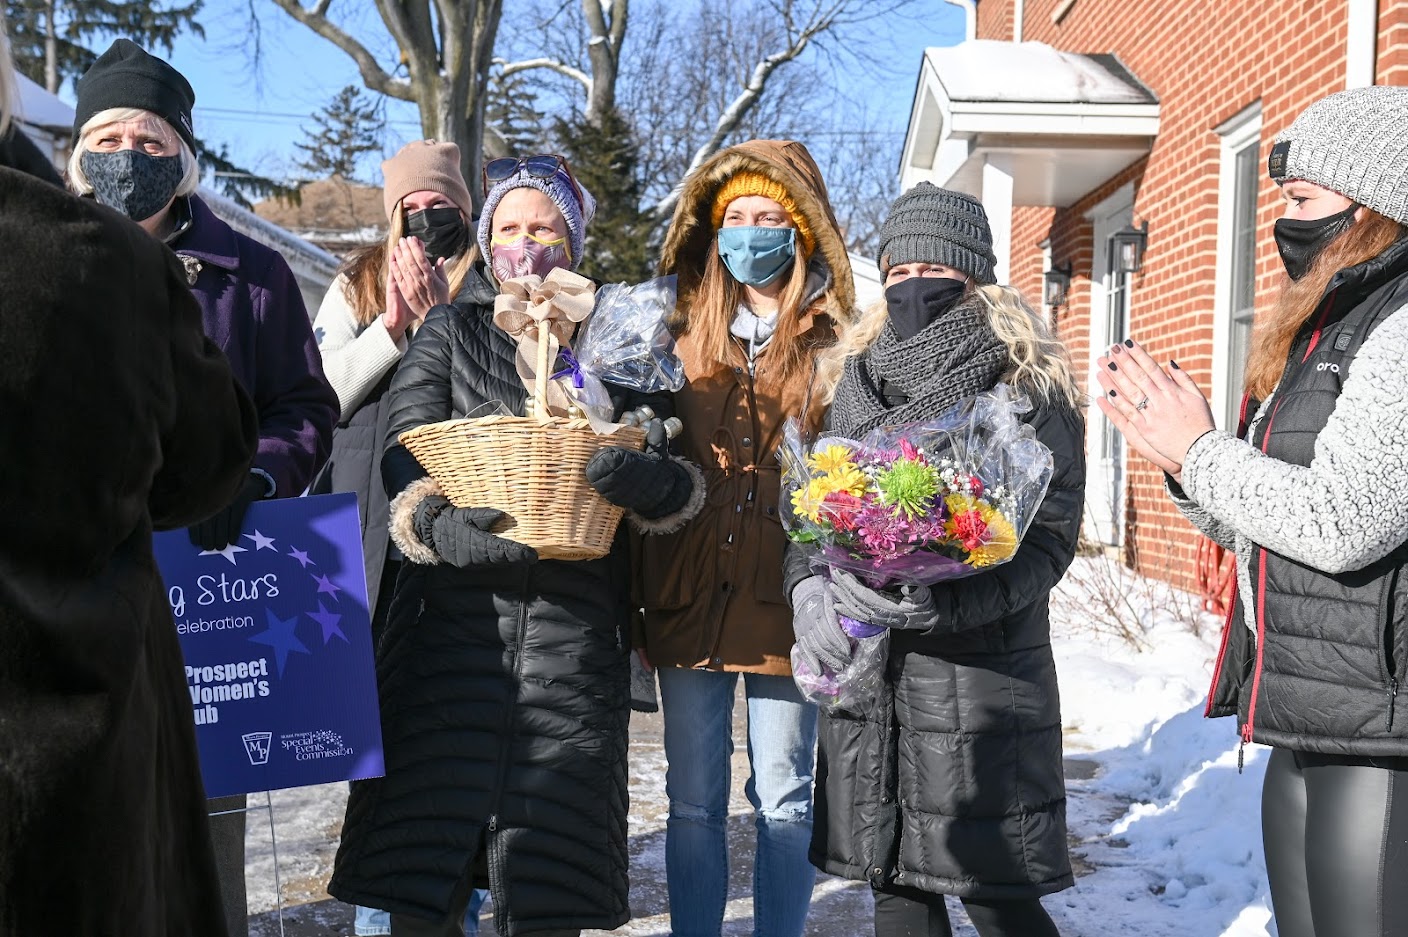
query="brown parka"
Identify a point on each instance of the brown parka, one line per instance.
(712, 592)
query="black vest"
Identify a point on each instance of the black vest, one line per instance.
(1333, 647)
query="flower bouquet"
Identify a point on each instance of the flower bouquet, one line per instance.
(911, 505)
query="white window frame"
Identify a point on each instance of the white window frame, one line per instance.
(1105, 484)
(1235, 135)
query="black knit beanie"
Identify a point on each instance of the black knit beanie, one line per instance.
(931, 225)
(127, 76)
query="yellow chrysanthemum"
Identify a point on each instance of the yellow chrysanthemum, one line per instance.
(806, 500)
(832, 458)
(1003, 537)
(847, 478)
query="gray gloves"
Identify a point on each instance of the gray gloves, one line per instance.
(912, 609)
(460, 536)
(821, 644)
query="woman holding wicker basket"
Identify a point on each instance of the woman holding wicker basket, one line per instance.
(764, 280)
(504, 676)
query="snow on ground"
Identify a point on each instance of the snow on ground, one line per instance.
(1165, 833)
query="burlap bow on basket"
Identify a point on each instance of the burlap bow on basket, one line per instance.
(542, 313)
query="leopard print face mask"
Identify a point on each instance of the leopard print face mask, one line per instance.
(136, 184)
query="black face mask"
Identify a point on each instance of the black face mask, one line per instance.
(134, 183)
(441, 230)
(915, 303)
(1300, 242)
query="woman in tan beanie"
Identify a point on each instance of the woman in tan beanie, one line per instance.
(364, 326)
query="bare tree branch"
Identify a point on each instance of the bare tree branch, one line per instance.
(552, 65)
(822, 18)
(373, 75)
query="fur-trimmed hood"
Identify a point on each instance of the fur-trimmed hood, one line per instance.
(787, 162)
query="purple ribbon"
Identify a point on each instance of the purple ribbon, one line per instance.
(860, 629)
(574, 368)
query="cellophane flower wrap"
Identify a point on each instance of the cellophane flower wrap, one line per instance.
(627, 340)
(912, 504)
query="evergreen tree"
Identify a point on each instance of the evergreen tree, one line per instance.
(512, 126)
(346, 130)
(53, 39)
(603, 158)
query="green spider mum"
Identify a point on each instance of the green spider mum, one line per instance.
(909, 486)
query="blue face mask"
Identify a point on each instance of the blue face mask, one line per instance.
(757, 256)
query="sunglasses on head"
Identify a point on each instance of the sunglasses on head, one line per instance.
(543, 166)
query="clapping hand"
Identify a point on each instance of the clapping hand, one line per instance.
(422, 284)
(1160, 412)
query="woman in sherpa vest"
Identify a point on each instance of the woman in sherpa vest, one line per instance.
(504, 679)
(953, 784)
(764, 280)
(364, 326)
(1311, 491)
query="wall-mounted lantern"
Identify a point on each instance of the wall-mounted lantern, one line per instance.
(1128, 246)
(1056, 283)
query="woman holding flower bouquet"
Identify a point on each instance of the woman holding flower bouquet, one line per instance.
(1311, 491)
(951, 782)
(764, 279)
(504, 678)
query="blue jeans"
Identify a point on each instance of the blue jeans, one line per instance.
(374, 921)
(698, 713)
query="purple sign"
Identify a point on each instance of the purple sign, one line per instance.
(277, 640)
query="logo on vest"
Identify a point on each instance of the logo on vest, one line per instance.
(1328, 366)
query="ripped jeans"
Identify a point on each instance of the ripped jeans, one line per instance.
(698, 714)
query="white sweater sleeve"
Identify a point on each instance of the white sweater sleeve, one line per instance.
(1349, 507)
(355, 357)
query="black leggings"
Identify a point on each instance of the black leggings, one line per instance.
(1335, 831)
(908, 912)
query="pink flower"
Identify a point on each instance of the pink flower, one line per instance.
(908, 451)
(841, 508)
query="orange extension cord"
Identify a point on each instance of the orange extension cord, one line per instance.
(1217, 577)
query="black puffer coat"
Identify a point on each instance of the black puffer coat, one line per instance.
(504, 695)
(953, 784)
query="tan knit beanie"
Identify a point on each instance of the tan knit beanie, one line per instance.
(424, 165)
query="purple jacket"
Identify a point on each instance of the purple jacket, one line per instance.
(253, 310)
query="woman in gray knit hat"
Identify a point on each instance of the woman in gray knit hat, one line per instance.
(953, 784)
(1311, 491)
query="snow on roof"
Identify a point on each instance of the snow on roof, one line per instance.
(269, 234)
(39, 108)
(1033, 72)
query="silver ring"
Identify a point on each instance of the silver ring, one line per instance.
(1142, 404)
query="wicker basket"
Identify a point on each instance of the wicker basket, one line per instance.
(530, 469)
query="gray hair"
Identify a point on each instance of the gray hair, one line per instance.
(78, 181)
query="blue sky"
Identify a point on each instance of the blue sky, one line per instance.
(258, 113)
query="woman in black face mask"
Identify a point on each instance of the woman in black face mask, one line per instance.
(953, 783)
(134, 151)
(364, 326)
(1312, 494)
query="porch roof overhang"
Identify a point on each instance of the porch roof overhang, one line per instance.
(1058, 123)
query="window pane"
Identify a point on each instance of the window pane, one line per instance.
(1246, 180)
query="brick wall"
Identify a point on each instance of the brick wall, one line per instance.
(1207, 60)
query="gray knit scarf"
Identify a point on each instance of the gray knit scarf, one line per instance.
(956, 356)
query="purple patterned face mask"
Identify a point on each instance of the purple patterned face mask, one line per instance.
(523, 254)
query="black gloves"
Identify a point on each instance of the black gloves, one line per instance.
(649, 483)
(460, 536)
(223, 527)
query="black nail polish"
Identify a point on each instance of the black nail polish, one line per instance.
(1175, 364)
(1112, 366)
(1112, 393)
(1129, 343)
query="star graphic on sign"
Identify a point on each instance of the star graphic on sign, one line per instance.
(329, 622)
(302, 557)
(261, 542)
(327, 585)
(280, 636)
(228, 553)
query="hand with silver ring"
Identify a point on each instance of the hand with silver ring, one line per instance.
(1171, 413)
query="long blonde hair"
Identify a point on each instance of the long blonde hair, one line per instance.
(1274, 332)
(1040, 363)
(7, 79)
(366, 271)
(713, 303)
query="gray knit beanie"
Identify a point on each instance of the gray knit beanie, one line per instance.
(1355, 143)
(931, 225)
(558, 187)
